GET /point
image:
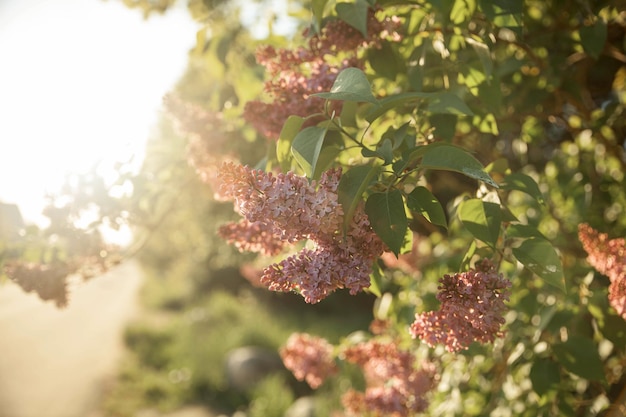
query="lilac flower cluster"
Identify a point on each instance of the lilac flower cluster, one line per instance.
(395, 386)
(279, 210)
(309, 358)
(295, 74)
(472, 308)
(205, 131)
(609, 258)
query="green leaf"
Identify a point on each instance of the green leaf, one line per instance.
(283, 146)
(465, 263)
(388, 218)
(545, 375)
(539, 256)
(351, 187)
(318, 10)
(397, 100)
(384, 152)
(444, 124)
(523, 231)
(351, 85)
(306, 148)
(421, 200)
(385, 62)
(505, 13)
(482, 219)
(354, 14)
(452, 158)
(593, 37)
(524, 183)
(484, 54)
(376, 278)
(580, 356)
(462, 10)
(449, 103)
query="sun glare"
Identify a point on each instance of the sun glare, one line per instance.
(81, 83)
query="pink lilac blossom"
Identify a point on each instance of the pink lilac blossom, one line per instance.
(395, 386)
(607, 256)
(285, 208)
(309, 358)
(472, 308)
(295, 74)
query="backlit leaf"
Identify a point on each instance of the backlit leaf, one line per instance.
(482, 219)
(524, 183)
(452, 158)
(421, 200)
(540, 257)
(350, 85)
(283, 147)
(306, 148)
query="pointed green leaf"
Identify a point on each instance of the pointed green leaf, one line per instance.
(524, 183)
(376, 278)
(425, 203)
(351, 188)
(505, 13)
(306, 148)
(385, 61)
(397, 100)
(523, 231)
(482, 50)
(465, 263)
(539, 256)
(326, 159)
(449, 103)
(283, 147)
(452, 158)
(482, 219)
(350, 85)
(580, 356)
(593, 38)
(388, 218)
(545, 375)
(318, 10)
(354, 14)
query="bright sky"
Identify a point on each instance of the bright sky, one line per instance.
(80, 81)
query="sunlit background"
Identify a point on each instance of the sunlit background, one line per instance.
(81, 83)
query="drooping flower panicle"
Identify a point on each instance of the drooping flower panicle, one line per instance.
(396, 386)
(282, 209)
(472, 308)
(295, 74)
(607, 256)
(309, 358)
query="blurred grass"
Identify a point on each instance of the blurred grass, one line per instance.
(189, 323)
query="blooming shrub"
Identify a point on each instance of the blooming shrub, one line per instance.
(439, 156)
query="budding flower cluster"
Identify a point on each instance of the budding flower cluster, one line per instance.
(607, 256)
(396, 387)
(279, 210)
(309, 358)
(472, 308)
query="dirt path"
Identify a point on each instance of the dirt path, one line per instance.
(53, 363)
